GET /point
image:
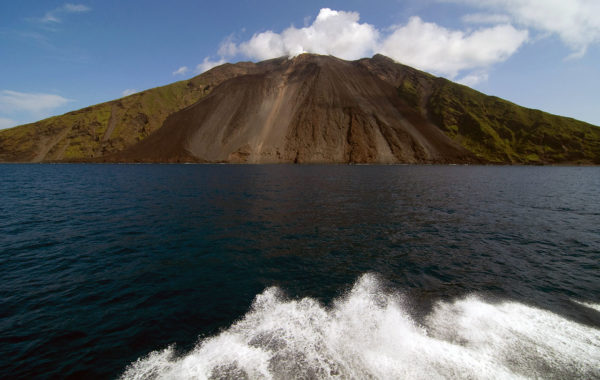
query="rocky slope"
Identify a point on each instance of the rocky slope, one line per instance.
(308, 109)
(107, 127)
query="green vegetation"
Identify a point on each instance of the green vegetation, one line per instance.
(414, 87)
(101, 129)
(499, 131)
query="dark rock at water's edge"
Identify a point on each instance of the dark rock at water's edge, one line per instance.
(307, 109)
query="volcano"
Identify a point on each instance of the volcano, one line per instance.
(307, 109)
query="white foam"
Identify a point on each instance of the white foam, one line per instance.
(369, 334)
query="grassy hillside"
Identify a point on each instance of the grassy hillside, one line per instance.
(499, 131)
(102, 128)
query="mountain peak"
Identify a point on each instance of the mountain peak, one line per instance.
(381, 57)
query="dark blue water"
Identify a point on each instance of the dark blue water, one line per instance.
(103, 264)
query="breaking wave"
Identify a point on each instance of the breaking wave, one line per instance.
(368, 333)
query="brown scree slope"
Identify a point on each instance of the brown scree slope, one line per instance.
(309, 109)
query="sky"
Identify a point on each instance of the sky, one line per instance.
(58, 56)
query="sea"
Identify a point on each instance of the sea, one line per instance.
(299, 271)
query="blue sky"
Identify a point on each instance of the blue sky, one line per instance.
(58, 56)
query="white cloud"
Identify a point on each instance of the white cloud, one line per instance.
(50, 17)
(208, 64)
(227, 47)
(181, 71)
(576, 22)
(54, 16)
(486, 18)
(424, 45)
(7, 123)
(473, 79)
(333, 32)
(430, 47)
(129, 91)
(76, 8)
(37, 103)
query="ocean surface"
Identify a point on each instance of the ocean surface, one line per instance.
(282, 271)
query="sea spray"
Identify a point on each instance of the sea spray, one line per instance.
(368, 333)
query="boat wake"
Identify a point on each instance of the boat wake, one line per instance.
(368, 333)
